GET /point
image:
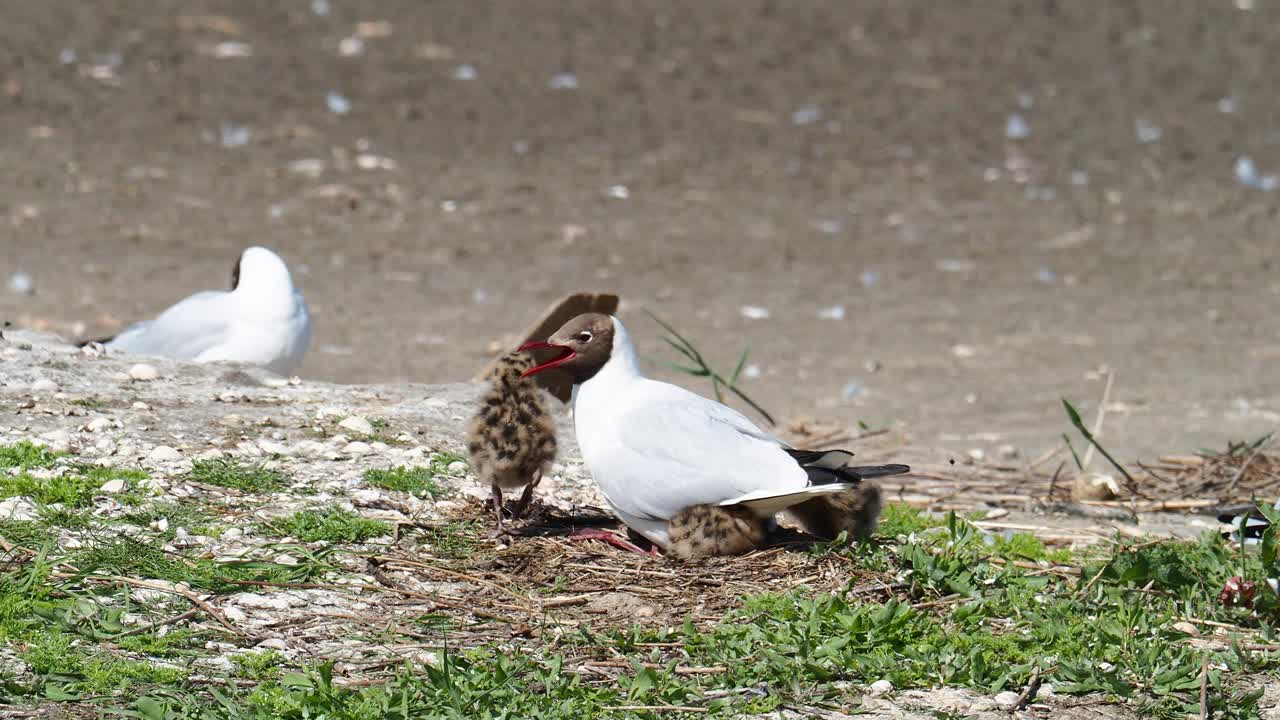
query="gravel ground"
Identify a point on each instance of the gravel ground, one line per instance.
(939, 218)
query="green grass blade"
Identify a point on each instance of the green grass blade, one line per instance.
(1066, 439)
(737, 371)
(1079, 424)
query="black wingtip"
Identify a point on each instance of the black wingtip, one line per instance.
(874, 471)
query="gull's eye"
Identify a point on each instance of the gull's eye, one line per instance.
(583, 337)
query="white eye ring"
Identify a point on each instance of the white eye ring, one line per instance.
(583, 336)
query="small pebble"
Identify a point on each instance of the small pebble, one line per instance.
(234, 136)
(563, 81)
(1079, 178)
(351, 46)
(67, 56)
(139, 405)
(20, 283)
(956, 266)
(1146, 131)
(465, 72)
(853, 389)
(144, 372)
(273, 644)
(835, 312)
(114, 487)
(754, 312)
(164, 453)
(869, 278)
(320, 7)
(1227, 105)
(232, 49)
(806, 115)
(357, 424)
(1045, 275)
(828, 227)
(1007, 699)
(357, 448)
(97, 424)
(44, 385)
(1016, 128)
(880, 688)
(618, 192)
(337, 103)
(751, 371)
(1247, 174)
(265, 602)
(457, 467)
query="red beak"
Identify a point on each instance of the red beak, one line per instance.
(566, 354)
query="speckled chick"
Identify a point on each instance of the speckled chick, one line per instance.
(706, 530)
(512, 439)
(855, 511)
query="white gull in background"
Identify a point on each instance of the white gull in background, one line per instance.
(261, 321)
(656, 450)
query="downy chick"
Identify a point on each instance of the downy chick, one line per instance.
(855, 511)
(512, 439)
(706, 530)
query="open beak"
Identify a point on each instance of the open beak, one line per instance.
(565, 355)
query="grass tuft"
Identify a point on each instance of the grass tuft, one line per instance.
(228, 473)
(418, 481)
(331, 525)
(26, 455)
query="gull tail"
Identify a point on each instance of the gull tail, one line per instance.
(832, 466)
(830, 477)
(1248, 528)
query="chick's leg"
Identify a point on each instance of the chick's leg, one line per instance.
(523, 503)
(497, 508)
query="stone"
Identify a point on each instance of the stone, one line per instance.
(114, 487)
(164, 453)
(1006, 699)
(144, 372)
(357, 424)
(880, 688)
(97, 424)
(44, 385)
(263, 602)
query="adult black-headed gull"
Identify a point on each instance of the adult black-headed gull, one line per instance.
(262, 320)
(656, 449)
(512, 438)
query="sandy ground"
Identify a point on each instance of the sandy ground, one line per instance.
(793, 157)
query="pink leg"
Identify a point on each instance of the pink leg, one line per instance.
(613, 539)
